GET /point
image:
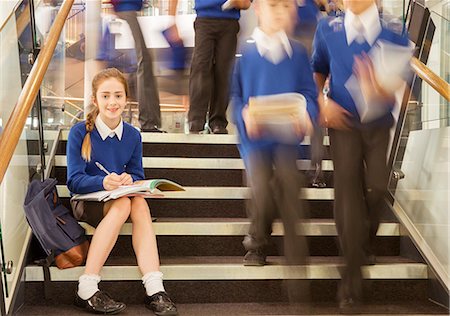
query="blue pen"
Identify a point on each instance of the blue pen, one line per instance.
(99, 165)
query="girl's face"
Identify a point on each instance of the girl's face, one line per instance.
(111, 101)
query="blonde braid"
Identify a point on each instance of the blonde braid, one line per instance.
(86, 147)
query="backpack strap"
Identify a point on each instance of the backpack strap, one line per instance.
(45, 264)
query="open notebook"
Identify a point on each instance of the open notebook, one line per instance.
(150, 188)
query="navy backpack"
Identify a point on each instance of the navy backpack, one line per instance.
(54, 226)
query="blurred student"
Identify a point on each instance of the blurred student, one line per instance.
(104, 153)
(147, 91)
(308, 15)
(216, 28)
(358, 147)
(271, 64)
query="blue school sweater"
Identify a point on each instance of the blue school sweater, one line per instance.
(213, 9)
(256, 76)
(333, 56)
(127, 5)
(309, 13)
(115, 155)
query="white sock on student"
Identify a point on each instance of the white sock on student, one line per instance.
(88, 285)
(153, 282)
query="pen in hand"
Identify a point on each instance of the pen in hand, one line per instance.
(99, 165)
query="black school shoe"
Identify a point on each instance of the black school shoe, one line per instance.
(161, 304)
(100, 303)
(254, 258)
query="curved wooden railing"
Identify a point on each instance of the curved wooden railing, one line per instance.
(426, 74)
(16, 122)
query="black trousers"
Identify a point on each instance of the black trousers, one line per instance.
(214, 51)
(275, 183)
(147, 91)
(360, 184)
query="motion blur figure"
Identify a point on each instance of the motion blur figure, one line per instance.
(147, 91)
(359, 143)
(272, 64)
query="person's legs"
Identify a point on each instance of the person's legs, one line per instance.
(259, 172)
(88, 295)
(143, 236)
(146, 250)
(288, 183)
(376, 142)
(317, 153)
(106, 233)
(147, 91)
(349, 208)
(225, 51)
(201, 76)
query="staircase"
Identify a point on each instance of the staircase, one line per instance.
(199, 234)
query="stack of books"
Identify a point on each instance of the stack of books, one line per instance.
(277, 115)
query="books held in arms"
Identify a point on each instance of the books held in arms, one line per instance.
(145, 188)
(391, 69)
(279, 115)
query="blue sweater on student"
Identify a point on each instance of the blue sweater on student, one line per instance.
(213, 9)
(333, 56)
(127, 5)
(115, 155)
(256, 76)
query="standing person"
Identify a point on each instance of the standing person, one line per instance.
(358, 149)
(147, 91)
(103, 153)
(216, 31)
(272, 64)
(308, 15)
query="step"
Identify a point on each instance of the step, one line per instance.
(231, 268)
(239, 227)
(225, 193)
(201, 163)
(175, 138)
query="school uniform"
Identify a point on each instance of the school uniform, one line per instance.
(118, 150)
(215, 46)
(359, 155)
(272, 65)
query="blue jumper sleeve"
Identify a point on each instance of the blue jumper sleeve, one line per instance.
(78, 181)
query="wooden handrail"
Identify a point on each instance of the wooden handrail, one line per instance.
(436, 82)
(16, 122)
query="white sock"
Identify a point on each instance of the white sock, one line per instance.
(88, 285)
(153, 283)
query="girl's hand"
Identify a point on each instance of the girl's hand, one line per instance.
(251, 126)
(112, 181)
(126, 179)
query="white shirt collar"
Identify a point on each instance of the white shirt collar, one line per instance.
(105, 131)
(370, 20)
(274, 47)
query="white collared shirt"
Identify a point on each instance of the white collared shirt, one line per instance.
(105, 131)
(370, 21)
(274, 48)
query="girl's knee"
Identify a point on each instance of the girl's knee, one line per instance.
(139, 209)
(120, 208)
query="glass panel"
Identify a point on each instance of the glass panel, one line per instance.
(16, 42)
(424, 153)
(53, 85)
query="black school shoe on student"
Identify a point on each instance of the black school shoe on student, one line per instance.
(254, 258)
(161, 304)
(100, 303)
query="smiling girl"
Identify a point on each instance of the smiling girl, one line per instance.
(105, 140)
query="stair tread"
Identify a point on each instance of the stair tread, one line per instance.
(179, 226)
